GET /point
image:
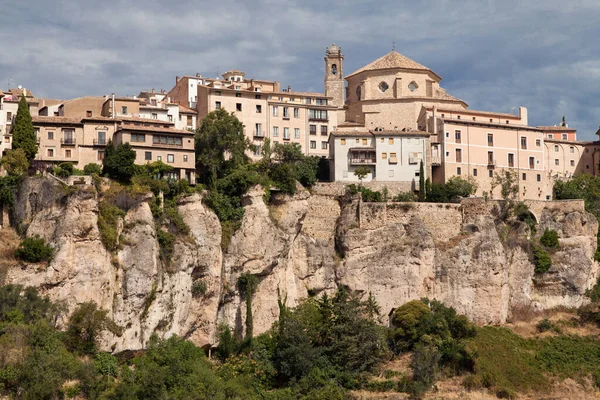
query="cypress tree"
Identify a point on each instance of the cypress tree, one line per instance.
(24, 132)
(421, 182)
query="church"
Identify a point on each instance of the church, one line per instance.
(393, 115)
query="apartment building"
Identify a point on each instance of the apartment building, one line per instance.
(9, 105)
(283, 116)
(391, 156)
(559, 132)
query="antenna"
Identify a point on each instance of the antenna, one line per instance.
(394, 45)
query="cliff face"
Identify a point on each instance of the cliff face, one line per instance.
(309, 243)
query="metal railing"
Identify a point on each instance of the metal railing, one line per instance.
(68, 141)
(98, 142)
(363, 161)
(259, 134)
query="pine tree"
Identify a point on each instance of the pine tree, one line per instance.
(24, 132)
(421, 182)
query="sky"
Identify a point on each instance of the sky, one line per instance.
(496, 55)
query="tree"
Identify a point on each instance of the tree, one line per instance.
(421, 182)
(15, 162)
(362, 172)
(427, 188)
(119, 163)
(85, 326)
(247, 285)
(509, 184)
(24, 132)
(220, 145)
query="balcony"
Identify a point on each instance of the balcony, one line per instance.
(98, 142)
(321, 120)
(436, 161)
(491, 163)
(258, 134)
(68, 141)
(414, 160)
(363, 161)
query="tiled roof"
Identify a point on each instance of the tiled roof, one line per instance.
(350, 124)
(153, 129)
(367, 148)
(475, 112)
(400, 133)
(566, 141)
(351, 133)
(391, 60)
(55, 120)
(184, 109)
(497, 125)
(146, 120)
(557, 128)
(300, 94)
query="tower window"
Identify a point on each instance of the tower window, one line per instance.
(334, 69)
(383, 86)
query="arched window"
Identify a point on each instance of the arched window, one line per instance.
(334, 69)
(358, 92)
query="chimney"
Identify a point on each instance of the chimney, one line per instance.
(153, 90)
(289, 88)
(176, 79)
(523, 115)
(198, 75)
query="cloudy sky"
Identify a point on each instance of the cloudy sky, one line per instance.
(494, 54)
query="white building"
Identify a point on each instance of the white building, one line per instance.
(391, 156)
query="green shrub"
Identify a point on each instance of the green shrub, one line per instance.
(92, 168)
(549, 238)
(198, 288)
(227, 208)
(64, 170)
(166, 241)
(108, 218)
(284, 178)
(34, 249)
(405, 197)
(542, 260)
(546, 325)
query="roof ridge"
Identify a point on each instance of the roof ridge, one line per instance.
(391, 60)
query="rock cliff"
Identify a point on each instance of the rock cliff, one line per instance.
(298, 246)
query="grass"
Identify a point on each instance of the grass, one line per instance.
(9, 241)
(508, 363)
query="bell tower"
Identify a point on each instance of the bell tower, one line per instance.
(334, 75)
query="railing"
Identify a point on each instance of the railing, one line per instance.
(258, 134)
(436, 160)
(68, 141)
(318, 119)
(491, 163)
(98, 142)
(363, 161)
(414, 160)
(165, 144)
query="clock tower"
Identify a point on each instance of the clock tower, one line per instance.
(334, 75)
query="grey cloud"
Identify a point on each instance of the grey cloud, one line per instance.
(494, 54)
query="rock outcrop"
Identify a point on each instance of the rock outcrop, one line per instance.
(298, 246)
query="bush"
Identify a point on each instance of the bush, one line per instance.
(405, 197)
(92, 168)
(542, 260)
(547, 325)
(549, 238)
(367, 195)
(284, 178)
(15, 162)
(198, 288)
(34, 249)
(166, 241)
(85, 326)
(108, 218)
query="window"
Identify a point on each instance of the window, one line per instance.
(531, 162)
(101, 138)
(124, 110)
(180, 117)
(170, 158)
(259, 108)
(307, 101)
(391, 140)
(154, 116)
(238, 94)
(457, 136)
(138, 137)
(564, 136)
(296, 112)
(6, 139)
(321, 102)
(511, 160)
(313, 129)
(382, 140)
(286, 112)
(50, 135)
(280, 98)
(393, 159)
(523, 143)
(275, 111)
(50, 152)
(447, 134)
(458, 155)
(286, 133)
(587, 166)
(458, 170)
(189, 120)
(324, 145)
(383, 86)
(491, 160)
(556, 148)
(572, 163)
(158, 158)
(8, 116)
(550, 136)
(69, 136)
(217, 92)
(313, 144)
(292, 99)
(275, 131)
(148, 156)
(185, 158)
(297, 133)
(539, 177)
(217, 105)
(556, 161)
(587, 150)
(88, 113)
(474, 171)
(572, 149)
(447, 154)
(490, 137)
(257, 150)
(324, 130)
(364, 141)
(524, 177)
(100, 155)
(538, 142)
(343, 141)
(171, 118)
(490, 173)
(68, 153)
(319, 115)
(238, 106)
(384, 156)
(257, 96)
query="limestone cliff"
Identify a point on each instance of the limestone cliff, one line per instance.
(300, 245)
